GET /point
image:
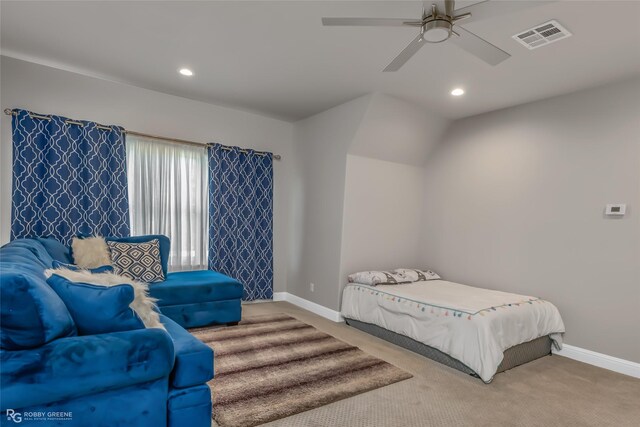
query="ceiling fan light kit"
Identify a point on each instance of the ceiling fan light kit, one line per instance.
(437, 31)
(437, 26)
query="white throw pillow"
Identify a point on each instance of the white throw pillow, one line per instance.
(374, 278)
(142, 304)
(90, 252)
(415, 275)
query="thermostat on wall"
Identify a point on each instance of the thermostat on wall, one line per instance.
(617, 209)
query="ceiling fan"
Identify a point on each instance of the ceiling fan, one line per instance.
(437, 26)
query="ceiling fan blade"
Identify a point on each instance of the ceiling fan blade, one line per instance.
(368, 22)
(406, 54)
(489, 9)
(476, 46)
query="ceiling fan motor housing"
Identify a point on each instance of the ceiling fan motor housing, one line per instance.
(437, 30)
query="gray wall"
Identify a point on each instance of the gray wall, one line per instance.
(320, 158)
(334, 222)
(397, 131)
(382, 219)
(48, 90)
(514, 200)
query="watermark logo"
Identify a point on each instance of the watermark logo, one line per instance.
(14, 416)
(18, 417)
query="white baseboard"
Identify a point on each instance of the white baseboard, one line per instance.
(311, 306)
(280, 296)
(601, 360)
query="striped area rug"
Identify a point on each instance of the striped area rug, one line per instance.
(272, 366)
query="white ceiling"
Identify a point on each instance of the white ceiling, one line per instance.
(277, 59)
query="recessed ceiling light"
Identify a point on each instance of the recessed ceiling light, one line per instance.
(457, 92)
(186, 72)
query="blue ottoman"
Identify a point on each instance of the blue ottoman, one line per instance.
(199, 298)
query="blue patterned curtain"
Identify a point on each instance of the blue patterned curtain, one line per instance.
(241, 218)
(67, 178)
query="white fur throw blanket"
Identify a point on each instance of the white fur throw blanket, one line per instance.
(142, 304)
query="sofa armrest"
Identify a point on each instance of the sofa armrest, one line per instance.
(77, 366)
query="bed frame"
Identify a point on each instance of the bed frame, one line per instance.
(514, 356)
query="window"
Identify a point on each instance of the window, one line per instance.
(168, 194)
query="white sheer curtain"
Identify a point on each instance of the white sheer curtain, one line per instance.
(168, 195)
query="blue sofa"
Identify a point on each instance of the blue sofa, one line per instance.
(142, 377)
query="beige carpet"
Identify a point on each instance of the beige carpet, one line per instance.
(552, 391)
(272, 366)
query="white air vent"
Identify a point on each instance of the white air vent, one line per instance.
(542, 35)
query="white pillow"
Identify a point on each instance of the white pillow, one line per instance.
(142, 304)
(91, 252)
(373, 278)
(415, 275)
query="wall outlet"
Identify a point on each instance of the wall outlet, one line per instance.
(312, 287)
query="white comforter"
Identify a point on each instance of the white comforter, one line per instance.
(473, 325)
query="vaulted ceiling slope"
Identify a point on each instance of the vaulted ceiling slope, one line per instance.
(277, 59)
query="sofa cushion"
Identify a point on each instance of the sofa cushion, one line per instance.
(56, 249)
(78, 366)
(187, 287)
(194, 359)
(27, 251)
(165, 246)
(109, 408)
(31, 313)
(97, 309)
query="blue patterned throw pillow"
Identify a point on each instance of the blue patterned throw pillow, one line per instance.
(138, 261)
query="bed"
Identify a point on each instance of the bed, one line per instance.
(477, 331)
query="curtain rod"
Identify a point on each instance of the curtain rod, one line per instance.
(11, 112)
